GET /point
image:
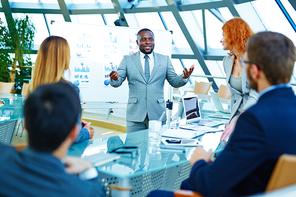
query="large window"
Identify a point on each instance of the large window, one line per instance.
(149, 20)
(178, 36)
(291, 11)
(91, 1)
(39, 23)
(24, 1)
(2, 18)
(273, 17)
(110, 18)
(225, 13)
(94, 19)
(214, 30)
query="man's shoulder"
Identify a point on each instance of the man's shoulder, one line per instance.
(272, 97)
(160, 55)
(6, 150)
(268, 102)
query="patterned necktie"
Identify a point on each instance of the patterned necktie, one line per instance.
(147, 69)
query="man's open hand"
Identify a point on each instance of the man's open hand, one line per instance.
(188, 72)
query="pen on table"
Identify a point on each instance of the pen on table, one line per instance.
(161, 117)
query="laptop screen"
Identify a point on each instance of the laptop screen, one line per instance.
(191, 108)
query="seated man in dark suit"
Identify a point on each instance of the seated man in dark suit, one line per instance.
(263, 132)
(51, 114)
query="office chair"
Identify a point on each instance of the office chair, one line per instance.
(283, 174)
(25, 89)
(7, 129)
(202, 90)
(224, 92)
(20, 146)
(21, 122)
(202, 87)
(82, 109)
(186, 193)
(6, 87)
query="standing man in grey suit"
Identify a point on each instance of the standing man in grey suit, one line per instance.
(146, 72)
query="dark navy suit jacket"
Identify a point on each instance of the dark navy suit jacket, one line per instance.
(263, 133)
(31, 173)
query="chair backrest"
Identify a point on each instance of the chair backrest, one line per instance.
(7, 130)
(283, 174)
(224, 92)
(6, 87)
(25, 89)
(186, 193)
(20, 146)
(202, 87)
(82, 109)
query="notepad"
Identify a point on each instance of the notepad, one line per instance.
(101, 158)
(182, 133)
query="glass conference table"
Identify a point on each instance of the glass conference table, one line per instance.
(11, 110)
(145, 171)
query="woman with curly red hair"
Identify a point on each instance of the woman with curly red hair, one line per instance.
(235, 34)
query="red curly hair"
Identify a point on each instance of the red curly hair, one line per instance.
(236, 32)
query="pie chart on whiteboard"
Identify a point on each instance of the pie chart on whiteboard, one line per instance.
(76, 82)
(106, 82)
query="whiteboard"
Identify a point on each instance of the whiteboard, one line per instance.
(96, 50)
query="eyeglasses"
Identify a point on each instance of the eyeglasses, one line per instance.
(243, 62)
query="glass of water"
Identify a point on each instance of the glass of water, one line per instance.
(154, 132)
(176, 123)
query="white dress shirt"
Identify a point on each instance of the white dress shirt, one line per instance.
(151, 61)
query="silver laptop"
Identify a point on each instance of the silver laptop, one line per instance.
(191, 109)
(218, 104)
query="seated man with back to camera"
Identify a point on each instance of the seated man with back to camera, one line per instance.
(51, 114)
(263, 132)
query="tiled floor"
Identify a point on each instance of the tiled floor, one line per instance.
(100, 130)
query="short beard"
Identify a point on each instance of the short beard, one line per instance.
(252, 83)
(145, 52)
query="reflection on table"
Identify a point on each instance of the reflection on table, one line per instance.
(147, 171)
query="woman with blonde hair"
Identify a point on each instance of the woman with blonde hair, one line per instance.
(53, 58)
(235, 34)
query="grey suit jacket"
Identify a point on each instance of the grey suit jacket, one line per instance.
(146, 96)
(247, 98)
